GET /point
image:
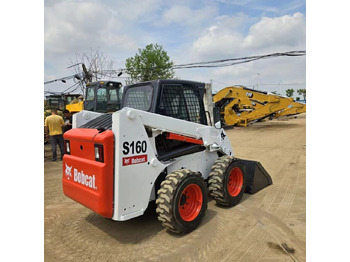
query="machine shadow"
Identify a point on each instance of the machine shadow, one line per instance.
(209, 215)
(138, 229)
(244, 198)
(132, 231)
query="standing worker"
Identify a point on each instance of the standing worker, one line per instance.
(53, 129)
(68, 120)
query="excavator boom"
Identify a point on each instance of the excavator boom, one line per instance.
(241, 106)
(293, 109)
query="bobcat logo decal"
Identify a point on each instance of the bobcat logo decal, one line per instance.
(80, 177)
(68, 171)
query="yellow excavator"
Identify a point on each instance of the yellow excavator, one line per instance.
(293, 109)
(77, 106)
(241, 105)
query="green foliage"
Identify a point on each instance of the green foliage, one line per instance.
(297, 99)
(150, 63)
(289, 92)
(302, 92)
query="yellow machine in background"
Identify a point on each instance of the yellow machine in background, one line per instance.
(240, 105)
(293, 109)
(100, 96)
(76, 107)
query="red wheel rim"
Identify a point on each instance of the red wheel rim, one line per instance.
(190, 202)
(235, 181)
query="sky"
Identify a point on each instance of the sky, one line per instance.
(189, 31)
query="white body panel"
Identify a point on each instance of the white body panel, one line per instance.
(208, 104)
(199, 162)
(83, 117)
(132, 183)
(136, 166)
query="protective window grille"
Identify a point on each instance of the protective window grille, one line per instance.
(181, 102)
(139, 97)
(192, 101)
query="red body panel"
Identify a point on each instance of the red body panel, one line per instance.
(173, 136)
(86, 180)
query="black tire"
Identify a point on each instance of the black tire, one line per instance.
(182, 201)
(227, 181)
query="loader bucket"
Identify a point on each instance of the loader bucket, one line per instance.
(257, 176)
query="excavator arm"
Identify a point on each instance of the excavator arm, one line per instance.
(293, 109)
(241, 106)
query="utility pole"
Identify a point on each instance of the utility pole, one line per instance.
(279, 83)
(87, 75)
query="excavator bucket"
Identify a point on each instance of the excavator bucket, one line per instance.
(257, 176)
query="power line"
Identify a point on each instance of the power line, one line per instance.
(228, 62)
(62, 79)
(207, 64)
(291, 84)
(76, 84)
(224, 62)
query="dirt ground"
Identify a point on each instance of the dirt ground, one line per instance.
(267, 226)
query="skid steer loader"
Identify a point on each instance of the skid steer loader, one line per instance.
(165, 145)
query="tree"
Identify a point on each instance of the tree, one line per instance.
(93, 66)
(289, 92)
(150, 63)
(302, 92)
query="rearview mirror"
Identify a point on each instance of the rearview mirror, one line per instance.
(217, 117)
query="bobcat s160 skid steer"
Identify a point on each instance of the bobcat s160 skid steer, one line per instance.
(165, 144)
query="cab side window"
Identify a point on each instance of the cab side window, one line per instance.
(90, 94)
(182, 102)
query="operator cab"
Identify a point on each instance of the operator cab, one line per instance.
(59, 102)
(174, 98)
(179, 99)
(103, 96)
(55, 102)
